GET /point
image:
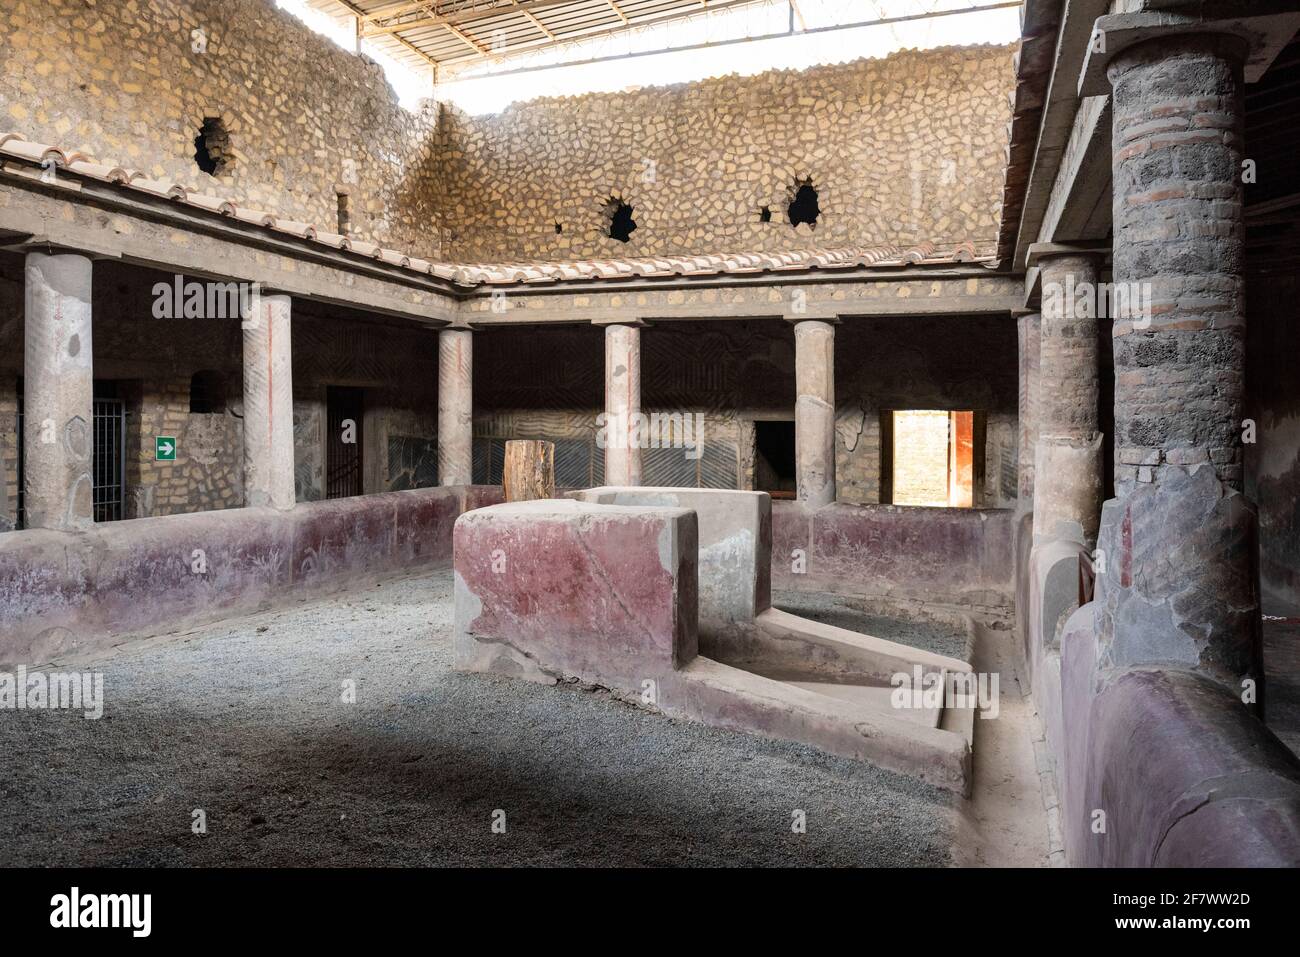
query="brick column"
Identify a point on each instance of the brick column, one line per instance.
(1179, 539)
(268, 404)
(58, 387)
(1028, 330)
(455, 407)
(622, 405)
(1068, 459)
(814, 411)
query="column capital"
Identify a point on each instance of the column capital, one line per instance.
(830, 318)
(264, 289)
(1266, 26)
(1038, 252)
(609, 321)
(57, 247)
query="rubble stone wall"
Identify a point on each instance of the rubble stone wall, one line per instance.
(132, 82)
(900, 150)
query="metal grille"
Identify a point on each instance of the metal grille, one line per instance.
(342, 459)
(488, 461)
(20, 518)
(573, 463)
(108, 460)
(715, 466)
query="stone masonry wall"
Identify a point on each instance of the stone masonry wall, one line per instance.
(132, 81)
(901, 150)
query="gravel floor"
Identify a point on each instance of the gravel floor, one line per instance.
(246, 721)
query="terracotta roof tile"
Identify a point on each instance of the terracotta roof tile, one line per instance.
(334, 240)
(158, 187)
(35, 152)
(16, 146)
(294, 228)
(254, 216)
(213, 204)
(108, 174)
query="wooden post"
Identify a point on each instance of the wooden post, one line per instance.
(529, 471)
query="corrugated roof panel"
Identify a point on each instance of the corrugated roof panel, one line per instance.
(489, 24)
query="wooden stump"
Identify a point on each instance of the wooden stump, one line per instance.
(529, 471)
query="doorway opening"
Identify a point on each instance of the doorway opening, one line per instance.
(774, 470)
(932, 457)
(344, 406)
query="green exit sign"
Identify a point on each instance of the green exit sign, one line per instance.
(165, 448)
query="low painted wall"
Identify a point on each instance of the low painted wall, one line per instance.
(1164, 768)
(606, 593)
(735, 539)
(960, 558)
(64, 593)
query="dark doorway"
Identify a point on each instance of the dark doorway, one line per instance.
(343, 414)
(774, 459)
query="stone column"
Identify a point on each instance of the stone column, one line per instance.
(268, 404)
(455, 407)
(814, 411)
(622, 405)
(1179, 540)
(1068, 459)
(58, 391)
(1027, 329)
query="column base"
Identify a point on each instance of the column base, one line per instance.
(1177, 579)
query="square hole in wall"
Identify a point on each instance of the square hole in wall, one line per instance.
(774, 470)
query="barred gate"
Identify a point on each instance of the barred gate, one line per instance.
(20, 516)
(343, 476)
(108, 463)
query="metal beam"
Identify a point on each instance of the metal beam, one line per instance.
(597, 31)
(537, 23)
(466, 62)
(465, 38)
(386, 23)
(620, 14)
(360, 34)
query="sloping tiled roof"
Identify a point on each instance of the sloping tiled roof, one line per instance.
(27, 154)
(1040, 20)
